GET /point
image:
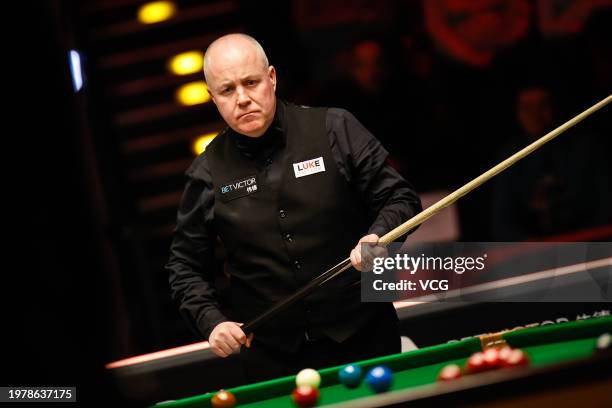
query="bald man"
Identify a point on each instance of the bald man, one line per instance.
(290, 191)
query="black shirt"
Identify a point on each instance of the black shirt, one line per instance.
(359, 157)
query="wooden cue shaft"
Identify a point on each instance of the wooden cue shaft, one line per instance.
(296, 296)
(423, 216)
(478, 181)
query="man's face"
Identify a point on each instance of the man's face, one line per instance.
(534, 111)
(243, 89)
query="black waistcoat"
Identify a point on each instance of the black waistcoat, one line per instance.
(282, 231)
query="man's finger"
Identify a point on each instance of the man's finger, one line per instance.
(379, 251)
(237, 333)
(355, 261)
(371, 239)
(219, 352)
(229, 340)
(226, 347)
(367, 258)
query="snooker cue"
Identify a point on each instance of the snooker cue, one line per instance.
(423, 216)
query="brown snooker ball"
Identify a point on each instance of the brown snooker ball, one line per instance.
(223, 399)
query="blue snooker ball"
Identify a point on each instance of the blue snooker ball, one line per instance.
(350, 375)
(379, 378)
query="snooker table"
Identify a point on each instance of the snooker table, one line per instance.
(563, 358)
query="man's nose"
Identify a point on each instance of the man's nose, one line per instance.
(243, 97)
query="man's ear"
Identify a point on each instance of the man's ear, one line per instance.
(272, 75)
(212, 96)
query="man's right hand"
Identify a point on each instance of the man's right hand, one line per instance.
(227, 338)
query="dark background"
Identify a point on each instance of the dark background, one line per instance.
(94, 177)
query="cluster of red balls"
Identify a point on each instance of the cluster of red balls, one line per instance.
(490, 359)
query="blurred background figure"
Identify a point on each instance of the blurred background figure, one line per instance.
(365, 84)
(534, 111)
(360, 82)
(368, 67)
(560, 189)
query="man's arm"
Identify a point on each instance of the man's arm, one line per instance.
(190, 266)
(362, 159)
(191, 269)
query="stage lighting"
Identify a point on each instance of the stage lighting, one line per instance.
(193, 93)
(199, 144)
(186, 63)
(155, 12)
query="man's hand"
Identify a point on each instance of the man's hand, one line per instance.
(227, 338)
(362, 261)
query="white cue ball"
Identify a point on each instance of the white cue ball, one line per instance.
(308, 376)
(604, 341)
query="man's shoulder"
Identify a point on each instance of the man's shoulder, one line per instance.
(333, 114)
(199, 168)
(301, 108)
(340, 118)
(339, 114)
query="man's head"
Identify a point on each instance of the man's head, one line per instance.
(534, 110)
(367, 66)
(241, 83)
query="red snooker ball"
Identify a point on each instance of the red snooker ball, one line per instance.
(492, 358)
(223, 399)
(476, 363)
(305, 396)
(515, 358)
(504, 353)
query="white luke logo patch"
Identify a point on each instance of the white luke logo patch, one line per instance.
(308, 167)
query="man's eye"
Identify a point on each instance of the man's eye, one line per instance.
(226, 90)
(250, 82)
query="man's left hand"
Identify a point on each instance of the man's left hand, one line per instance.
(363, 260)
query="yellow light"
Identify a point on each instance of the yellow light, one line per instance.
(154, 12)
(193, 93)
(186, 63)
(199, 145)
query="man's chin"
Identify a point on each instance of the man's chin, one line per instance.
(255, 130)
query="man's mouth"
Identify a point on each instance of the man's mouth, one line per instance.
(245, 114)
